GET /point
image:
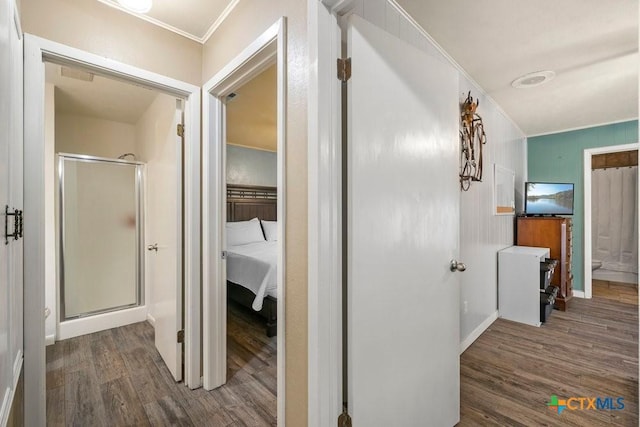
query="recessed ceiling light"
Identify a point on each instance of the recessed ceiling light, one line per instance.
(533, 79)
(139, 6)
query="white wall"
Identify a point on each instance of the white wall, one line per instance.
(481, 233)
(95, 137)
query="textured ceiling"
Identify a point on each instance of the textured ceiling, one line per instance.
(592, 45)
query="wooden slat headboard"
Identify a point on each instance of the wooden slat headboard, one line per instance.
(245, 202)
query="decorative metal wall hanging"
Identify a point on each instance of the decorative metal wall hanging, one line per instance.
(472, 138)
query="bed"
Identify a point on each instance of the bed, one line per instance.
(251, 265)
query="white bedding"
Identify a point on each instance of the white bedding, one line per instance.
(254, 266)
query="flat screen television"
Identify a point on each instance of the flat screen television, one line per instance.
(548, 198)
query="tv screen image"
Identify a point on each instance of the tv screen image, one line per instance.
(547, 198)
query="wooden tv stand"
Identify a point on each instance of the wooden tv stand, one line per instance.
(554, 233)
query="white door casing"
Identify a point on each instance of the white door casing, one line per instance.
(587, 209)
(403, 232)
(268, 48)
(164, 230)
(35, 51)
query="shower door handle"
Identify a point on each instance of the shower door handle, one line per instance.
(153, 247)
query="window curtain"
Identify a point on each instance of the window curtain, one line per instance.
(614, 207)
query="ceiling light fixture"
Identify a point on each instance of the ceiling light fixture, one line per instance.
(533, 79)
(138, 6)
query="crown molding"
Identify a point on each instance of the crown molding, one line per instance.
(202, 40)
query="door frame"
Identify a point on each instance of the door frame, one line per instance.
(37, 50)
(267, 49)
(325, 399)
(588, 239)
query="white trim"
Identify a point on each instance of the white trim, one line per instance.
(252, 148)
(100, 322)
(17, 367)
(5, 409)
(49, 340)
(153, 21)
(202, 40)
(453, 62)
(225, 13)
(324, 219)
(35, 51)
(588, 241)
(579, 294)
(270, 47)
(475, 334)
(16, 20)
(614, 122)
(151, 319)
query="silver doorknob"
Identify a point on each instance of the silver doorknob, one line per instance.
(457, 266)
(153, 247)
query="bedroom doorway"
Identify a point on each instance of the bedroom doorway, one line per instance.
(243, 212)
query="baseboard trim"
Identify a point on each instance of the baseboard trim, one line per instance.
(50, 340)
(578, 294)
(478, 331)
(151, 319)
(101, 322)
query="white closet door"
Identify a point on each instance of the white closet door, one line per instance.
(403, 233)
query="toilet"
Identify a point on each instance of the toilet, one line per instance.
(595, 264)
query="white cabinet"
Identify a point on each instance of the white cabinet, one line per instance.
(519, 283)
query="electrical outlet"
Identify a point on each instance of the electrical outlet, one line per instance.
(465, 306)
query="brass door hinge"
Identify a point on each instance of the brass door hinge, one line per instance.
(180, 129)
(344, 69)
(181, 336)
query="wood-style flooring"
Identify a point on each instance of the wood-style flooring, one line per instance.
(117, 378)
(509, 374)
(623, 292)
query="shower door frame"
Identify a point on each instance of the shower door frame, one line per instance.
(139, 206)
(588, 239)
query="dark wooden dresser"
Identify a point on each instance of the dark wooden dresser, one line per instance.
(554, 233)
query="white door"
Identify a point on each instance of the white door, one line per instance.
(164, 238)
(403, 222)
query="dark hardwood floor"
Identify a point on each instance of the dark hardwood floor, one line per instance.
(117, 378)
(509, 374)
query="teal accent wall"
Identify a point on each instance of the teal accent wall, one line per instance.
(559, 158)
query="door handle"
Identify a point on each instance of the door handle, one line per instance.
(457, 266)
(153, 247)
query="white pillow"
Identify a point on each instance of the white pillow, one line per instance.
(270, 230)
(244, 232)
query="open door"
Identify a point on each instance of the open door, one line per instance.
(403, 233)
(164, 243)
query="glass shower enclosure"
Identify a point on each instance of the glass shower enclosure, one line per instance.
(100, 233)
